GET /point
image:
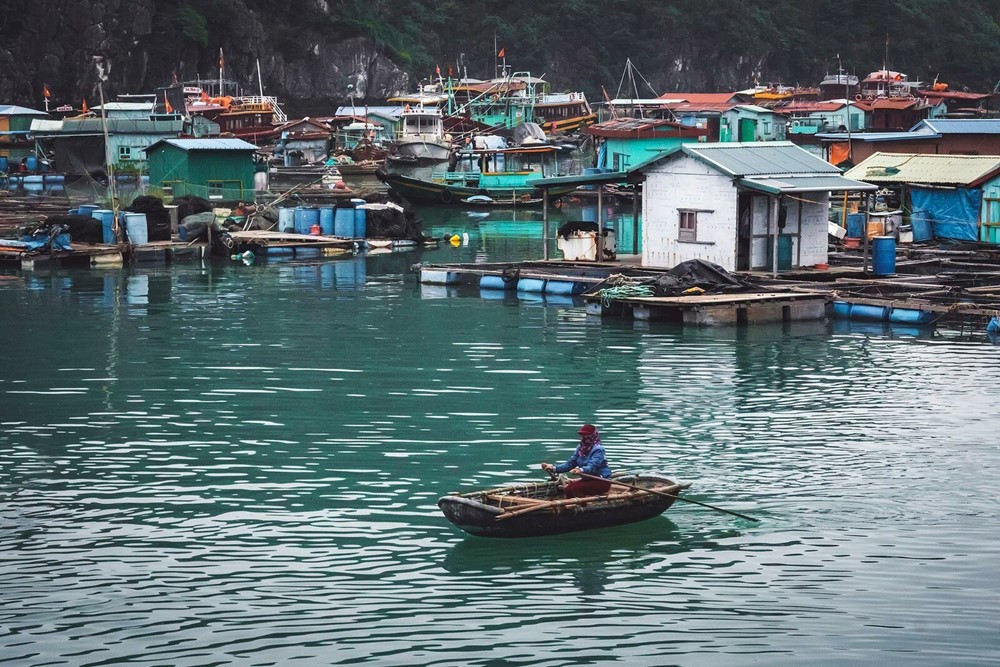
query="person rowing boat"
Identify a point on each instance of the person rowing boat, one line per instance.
(588, 459)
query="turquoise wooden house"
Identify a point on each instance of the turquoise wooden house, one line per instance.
(629, 141)
(728, 121)
(214, 169)
(826, 116)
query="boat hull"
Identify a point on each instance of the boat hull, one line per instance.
(420, 191)
(475, 517)
(423, 150)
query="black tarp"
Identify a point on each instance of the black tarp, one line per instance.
(697, 273)
(81, 228)
(157, 217)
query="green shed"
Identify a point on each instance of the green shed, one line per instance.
(214, 169)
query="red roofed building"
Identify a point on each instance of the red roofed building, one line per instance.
(700, 98)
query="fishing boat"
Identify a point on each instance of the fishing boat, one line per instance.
(538, 508)
(501, 174)
(422, 134)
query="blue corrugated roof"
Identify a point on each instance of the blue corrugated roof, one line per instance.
(14, 110)
(958, 126)
(207, 144)
(870, 137)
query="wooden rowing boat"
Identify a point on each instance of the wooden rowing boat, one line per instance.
(539, 508)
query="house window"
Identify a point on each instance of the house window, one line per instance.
(688, 228)
(620, 161)
(124, 152)
(215, 189)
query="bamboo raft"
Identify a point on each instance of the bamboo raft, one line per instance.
(538, 508)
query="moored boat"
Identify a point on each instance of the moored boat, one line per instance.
(500, 174)
(535, 509)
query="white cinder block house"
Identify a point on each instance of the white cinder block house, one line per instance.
(723, 202)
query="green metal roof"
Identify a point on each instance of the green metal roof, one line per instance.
(777, 185)
(759, 158)
(206, 144)
(933, 169)
(769, 166)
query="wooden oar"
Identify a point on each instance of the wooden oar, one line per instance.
(669, 495)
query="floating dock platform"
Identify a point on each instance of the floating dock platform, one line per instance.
(736, 308)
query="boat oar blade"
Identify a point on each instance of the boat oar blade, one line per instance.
(670, 495)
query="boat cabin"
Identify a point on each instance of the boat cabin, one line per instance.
(421, 123)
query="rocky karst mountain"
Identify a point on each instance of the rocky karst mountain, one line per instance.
(316, 52)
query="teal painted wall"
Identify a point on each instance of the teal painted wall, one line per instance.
(634, 151)
(989, 229)
(217, 175)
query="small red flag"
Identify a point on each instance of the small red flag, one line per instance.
(449, 70)
(45, 92)
(170, 109)
(437, 69)
(502, 52)
(85, 108)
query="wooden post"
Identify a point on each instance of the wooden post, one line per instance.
(545, 223)
(798, 233)
(774, 240)
(600, 223)
(635, 220)
(864, 236)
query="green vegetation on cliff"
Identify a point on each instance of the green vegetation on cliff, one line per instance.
(327, 49)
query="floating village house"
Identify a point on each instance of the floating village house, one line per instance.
(826, 116)
(726, 116)
(214, 169)
(15, 122)
(303, 141)
(942, 136)
(629, 141)
(389, 117)
(948, 196)
(79, 147)
(744, 206)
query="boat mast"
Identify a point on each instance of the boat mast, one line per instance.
(260, 80)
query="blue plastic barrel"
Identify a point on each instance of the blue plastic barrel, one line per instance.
(326, 220)
(564, 287)
(360, 222)
(87, 209)
(343, 221)
(884, 255)
(305, 218)
(856, 225)
(530, 285)
(135, 225)
(31, 162)
(496, 282)
(107, 218)
(286, 220)
(922, 229)
(4, 163)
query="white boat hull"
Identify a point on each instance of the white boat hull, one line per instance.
(426, 150)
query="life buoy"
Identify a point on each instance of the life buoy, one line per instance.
(447, 196)
(857, 98)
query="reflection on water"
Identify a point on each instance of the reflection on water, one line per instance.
(221, 463)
